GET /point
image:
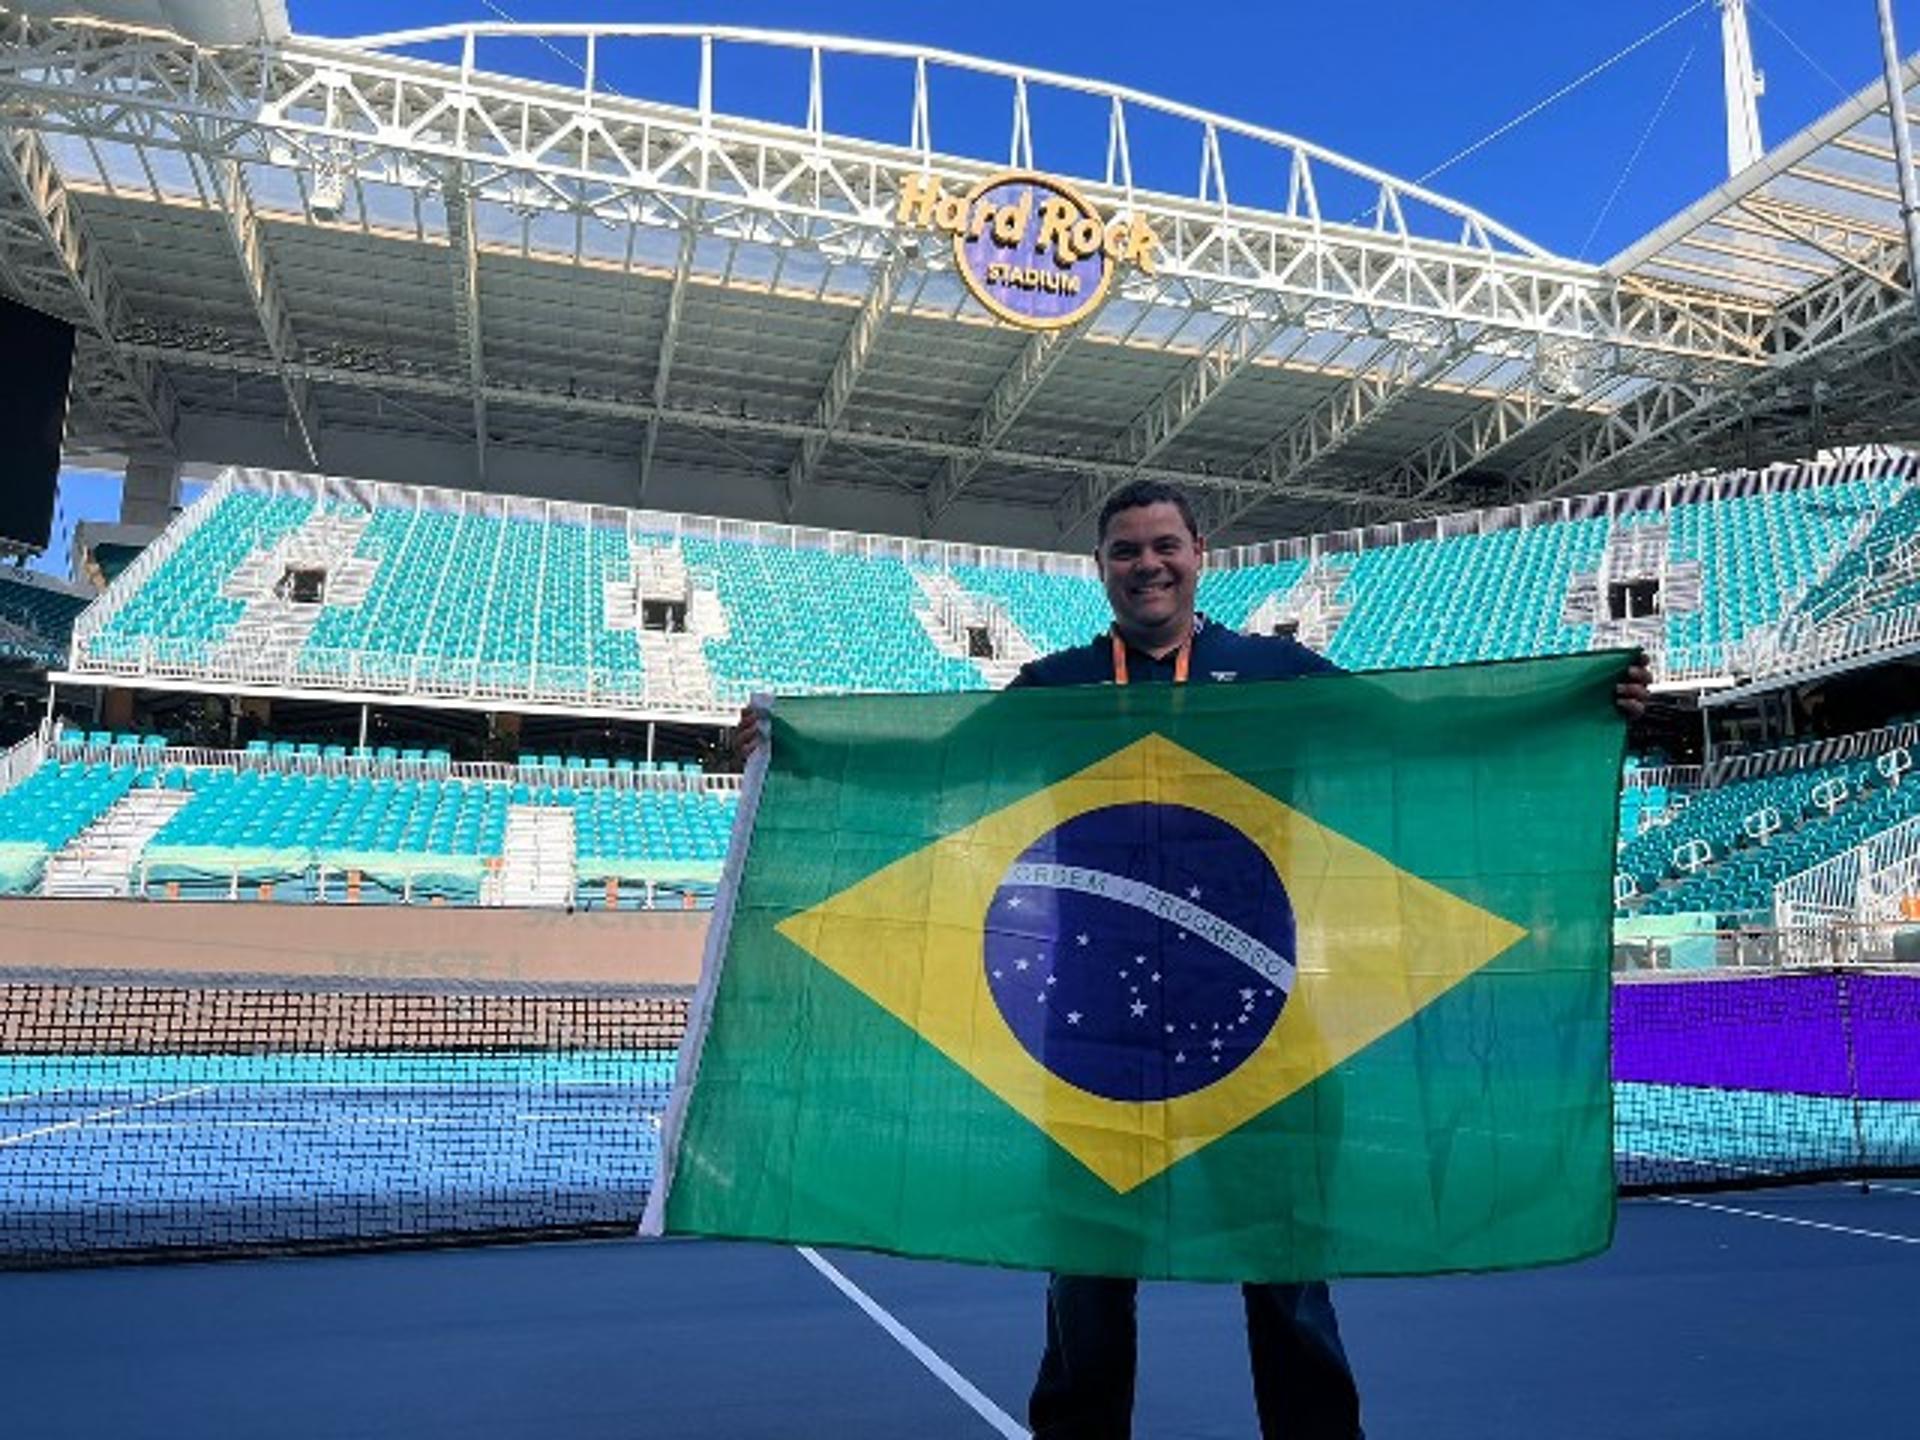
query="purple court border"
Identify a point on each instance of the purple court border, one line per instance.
(1822, 1033)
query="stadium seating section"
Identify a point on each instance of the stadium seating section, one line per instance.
(296, 821)
(1721, 850)
(304, 820)
(181, 610)
(460, 596)
(843, 622)
(35, 621)
(48, 809)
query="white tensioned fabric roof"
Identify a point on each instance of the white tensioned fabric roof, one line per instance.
(658, 265)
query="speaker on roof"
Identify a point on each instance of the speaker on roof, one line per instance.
(36, 359)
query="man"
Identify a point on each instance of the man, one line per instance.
(1149, 554)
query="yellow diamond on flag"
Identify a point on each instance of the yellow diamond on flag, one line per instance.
(981, 943)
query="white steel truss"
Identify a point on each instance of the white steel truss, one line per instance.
(228, 184)
(1232, 348)
(1011, 395)
(1681, 344)
(663, 358)
(63, 271)
(1334, 423)
(847, 370)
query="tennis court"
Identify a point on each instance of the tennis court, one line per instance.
(189, 1116)
(1769, 1313)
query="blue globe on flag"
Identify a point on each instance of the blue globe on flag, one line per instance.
(1141, 951)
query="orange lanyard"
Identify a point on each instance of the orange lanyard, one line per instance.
(1180, 658)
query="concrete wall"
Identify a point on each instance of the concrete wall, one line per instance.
(358, 943)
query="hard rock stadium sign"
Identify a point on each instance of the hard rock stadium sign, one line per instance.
(1030, 248)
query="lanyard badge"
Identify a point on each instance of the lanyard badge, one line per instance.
(1180, 659)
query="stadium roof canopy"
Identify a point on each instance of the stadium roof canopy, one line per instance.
(462, 256)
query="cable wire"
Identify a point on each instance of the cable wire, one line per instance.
(1561, 93)
(1639, 149)
(1798, 48)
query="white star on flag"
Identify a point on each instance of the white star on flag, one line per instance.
(1193, 892)
(1083, 938)
(1073, 1017)
(1139, 1008)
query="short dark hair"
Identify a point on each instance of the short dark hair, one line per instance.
(1137, 494)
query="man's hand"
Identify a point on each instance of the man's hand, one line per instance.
(748, 733)
(1630, 695)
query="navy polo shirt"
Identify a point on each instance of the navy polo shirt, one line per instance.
(1220, 655)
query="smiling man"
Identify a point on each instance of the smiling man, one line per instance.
(1150, 555)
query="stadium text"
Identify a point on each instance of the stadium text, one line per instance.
(1031, 249)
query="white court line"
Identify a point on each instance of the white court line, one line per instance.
(1789, 1220)
(1878, 1187)
(6, 1140)
(1002, 1422)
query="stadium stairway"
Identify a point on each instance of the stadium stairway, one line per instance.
(673, 660)
(538, 859)
(100, 860)
(274, 626)
(1311, 606)
(953, 614)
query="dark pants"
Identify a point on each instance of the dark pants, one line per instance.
(1302, 1382)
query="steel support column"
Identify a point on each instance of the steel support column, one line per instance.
(463, 265)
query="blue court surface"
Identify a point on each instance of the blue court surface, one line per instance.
(1778, 1313)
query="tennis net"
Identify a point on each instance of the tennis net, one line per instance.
(203, 1115)
(195, 1114)
(1725, 1079)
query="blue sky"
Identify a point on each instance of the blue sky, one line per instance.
(1399, 84)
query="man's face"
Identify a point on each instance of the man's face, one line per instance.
(1150, 563)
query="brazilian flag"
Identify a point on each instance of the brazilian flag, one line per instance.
(1225, 982)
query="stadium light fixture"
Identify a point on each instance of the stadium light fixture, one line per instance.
(328, 196)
